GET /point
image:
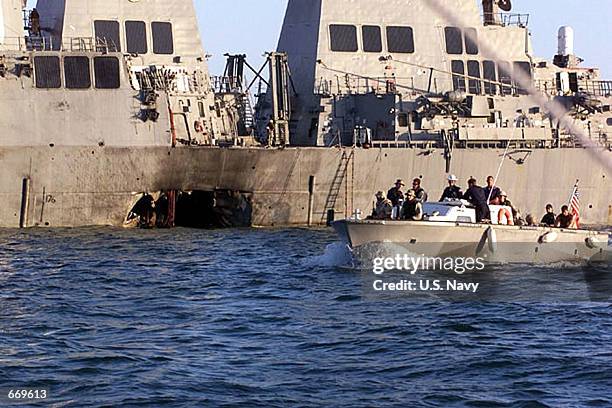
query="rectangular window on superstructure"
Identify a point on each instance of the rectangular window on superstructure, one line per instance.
(489, 74)
(454, 40)
(523, 67)
(201, 109)
(107, 34)
(372, 38)
(343, 37)
(400, 40)
(458, 69)
(474, 85)
(106, 70)
(77, 73)
(47, 72)
(163, 41)
(136, 37)
(505, 77)
(471, 41)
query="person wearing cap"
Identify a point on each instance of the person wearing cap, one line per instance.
(503, 200)
(453, 191)
(412, 209)
(419, 192)
(550, 218)
(383, 207)
(395, 194)
(477, 197)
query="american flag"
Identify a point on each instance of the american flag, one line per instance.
(575, 203)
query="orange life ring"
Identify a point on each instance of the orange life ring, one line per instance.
(198, 126)
(504, 212)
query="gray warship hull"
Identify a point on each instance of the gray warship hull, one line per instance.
(77, 186)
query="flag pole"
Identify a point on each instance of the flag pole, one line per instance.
(569, 202)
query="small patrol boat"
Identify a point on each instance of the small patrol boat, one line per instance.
(449, 229)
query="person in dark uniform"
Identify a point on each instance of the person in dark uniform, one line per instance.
(491, 191)
(565, 219)
(412, 209)
(395, 194)
(477, 197)
(453, 191)
(419, 192)
(34, 22)
(550, 218)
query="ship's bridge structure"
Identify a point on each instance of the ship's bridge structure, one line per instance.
(403, 71)
(107, 73)
(159, 32)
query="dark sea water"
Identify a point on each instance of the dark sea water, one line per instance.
(268, 318)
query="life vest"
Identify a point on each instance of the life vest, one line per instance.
(410, 209)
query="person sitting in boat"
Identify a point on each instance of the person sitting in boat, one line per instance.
(453, 191)
(550, 219)
(383, 208)
(420, 193)
(491, 191)
(565, 219)
(395, 194)
(530, 221)
(412, 209)
(503, 200)
(477, 197)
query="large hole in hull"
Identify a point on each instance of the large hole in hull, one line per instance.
(192, 209)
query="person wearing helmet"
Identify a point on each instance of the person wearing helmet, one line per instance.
(452, 192)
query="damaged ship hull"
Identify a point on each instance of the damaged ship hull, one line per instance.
(76, 186)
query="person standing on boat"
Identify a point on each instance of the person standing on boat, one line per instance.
(477, 197)
(566, 219)
(412, 209)
(395, 194)
(549, 219)
(453, 191)
(491, 191)
(419, 192)
(383, 208)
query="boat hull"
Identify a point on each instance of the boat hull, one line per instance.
(494, 243)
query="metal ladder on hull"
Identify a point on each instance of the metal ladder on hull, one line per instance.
(336, 185)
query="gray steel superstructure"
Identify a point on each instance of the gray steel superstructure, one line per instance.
(104, 101)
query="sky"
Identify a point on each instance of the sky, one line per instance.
(252, 27)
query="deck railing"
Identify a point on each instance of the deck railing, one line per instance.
(71, 44)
